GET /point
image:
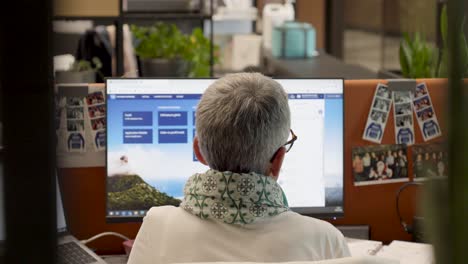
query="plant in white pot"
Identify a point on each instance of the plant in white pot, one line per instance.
(81, 71)
(164, 51)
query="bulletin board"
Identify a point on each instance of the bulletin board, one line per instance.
(83, 189)
(375, 205)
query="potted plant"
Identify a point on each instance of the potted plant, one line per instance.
(80, 71)
(419, 60)
(197, 54)
(164, 51)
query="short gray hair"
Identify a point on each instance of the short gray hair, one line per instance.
(242, 120)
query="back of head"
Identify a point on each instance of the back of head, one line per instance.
(242, 119)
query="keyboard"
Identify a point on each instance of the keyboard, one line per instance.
(72, 253)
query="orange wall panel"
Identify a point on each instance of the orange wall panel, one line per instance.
(374, 205)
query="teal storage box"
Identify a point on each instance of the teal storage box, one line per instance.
(293, 40)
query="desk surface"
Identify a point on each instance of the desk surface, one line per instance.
(321, 66)
(115, 259)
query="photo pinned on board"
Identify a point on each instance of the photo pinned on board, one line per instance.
(425, 113)
(379, 164)
(383, 91)
(421, 103)
(74, 101)
(401, 97)
(404, 121)
(75, 125)
(382, 104)
(403, 117)
(98, 123)
(420, 91)
(430, 161)
(95, 98)
(97, 111)
(75, 113)
(403, 109)
(378, 114)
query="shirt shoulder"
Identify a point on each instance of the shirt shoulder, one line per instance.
(161, 215)
(159, 211)
(318, 233)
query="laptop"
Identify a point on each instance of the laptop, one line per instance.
(69, 249)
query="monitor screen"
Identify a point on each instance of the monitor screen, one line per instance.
(151, 126)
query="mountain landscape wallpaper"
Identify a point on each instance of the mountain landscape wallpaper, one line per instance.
(131, 192)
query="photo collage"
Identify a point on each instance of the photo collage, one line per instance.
(403, 113)
(425, 113)
(378, 114)
(97, 116)
(85, 120)
(75, 124)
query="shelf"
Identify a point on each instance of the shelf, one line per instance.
(165, 16)
(109, 11)
(233, 14)
(86, 8)
(94, 18)
(233, 18)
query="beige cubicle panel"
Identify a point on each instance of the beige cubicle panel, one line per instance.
(84, 8)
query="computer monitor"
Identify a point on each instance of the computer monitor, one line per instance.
(150, 130)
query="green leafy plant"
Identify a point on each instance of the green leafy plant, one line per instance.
(166, 41)
(83, 65)
(419, 60)
(198, 54)
(160, 41)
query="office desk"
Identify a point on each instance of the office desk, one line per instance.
(321, 66)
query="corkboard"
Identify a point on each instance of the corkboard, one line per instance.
(375, 205)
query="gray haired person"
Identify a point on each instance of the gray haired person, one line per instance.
(236, 211)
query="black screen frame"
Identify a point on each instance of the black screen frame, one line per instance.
(315, 212)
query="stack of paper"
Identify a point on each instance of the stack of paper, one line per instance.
(408, 252)
(360, 247)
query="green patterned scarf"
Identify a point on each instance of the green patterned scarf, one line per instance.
(233, 198)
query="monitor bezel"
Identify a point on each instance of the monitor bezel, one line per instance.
(306, 211)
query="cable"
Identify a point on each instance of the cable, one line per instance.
(86, 241)
(405, 226)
